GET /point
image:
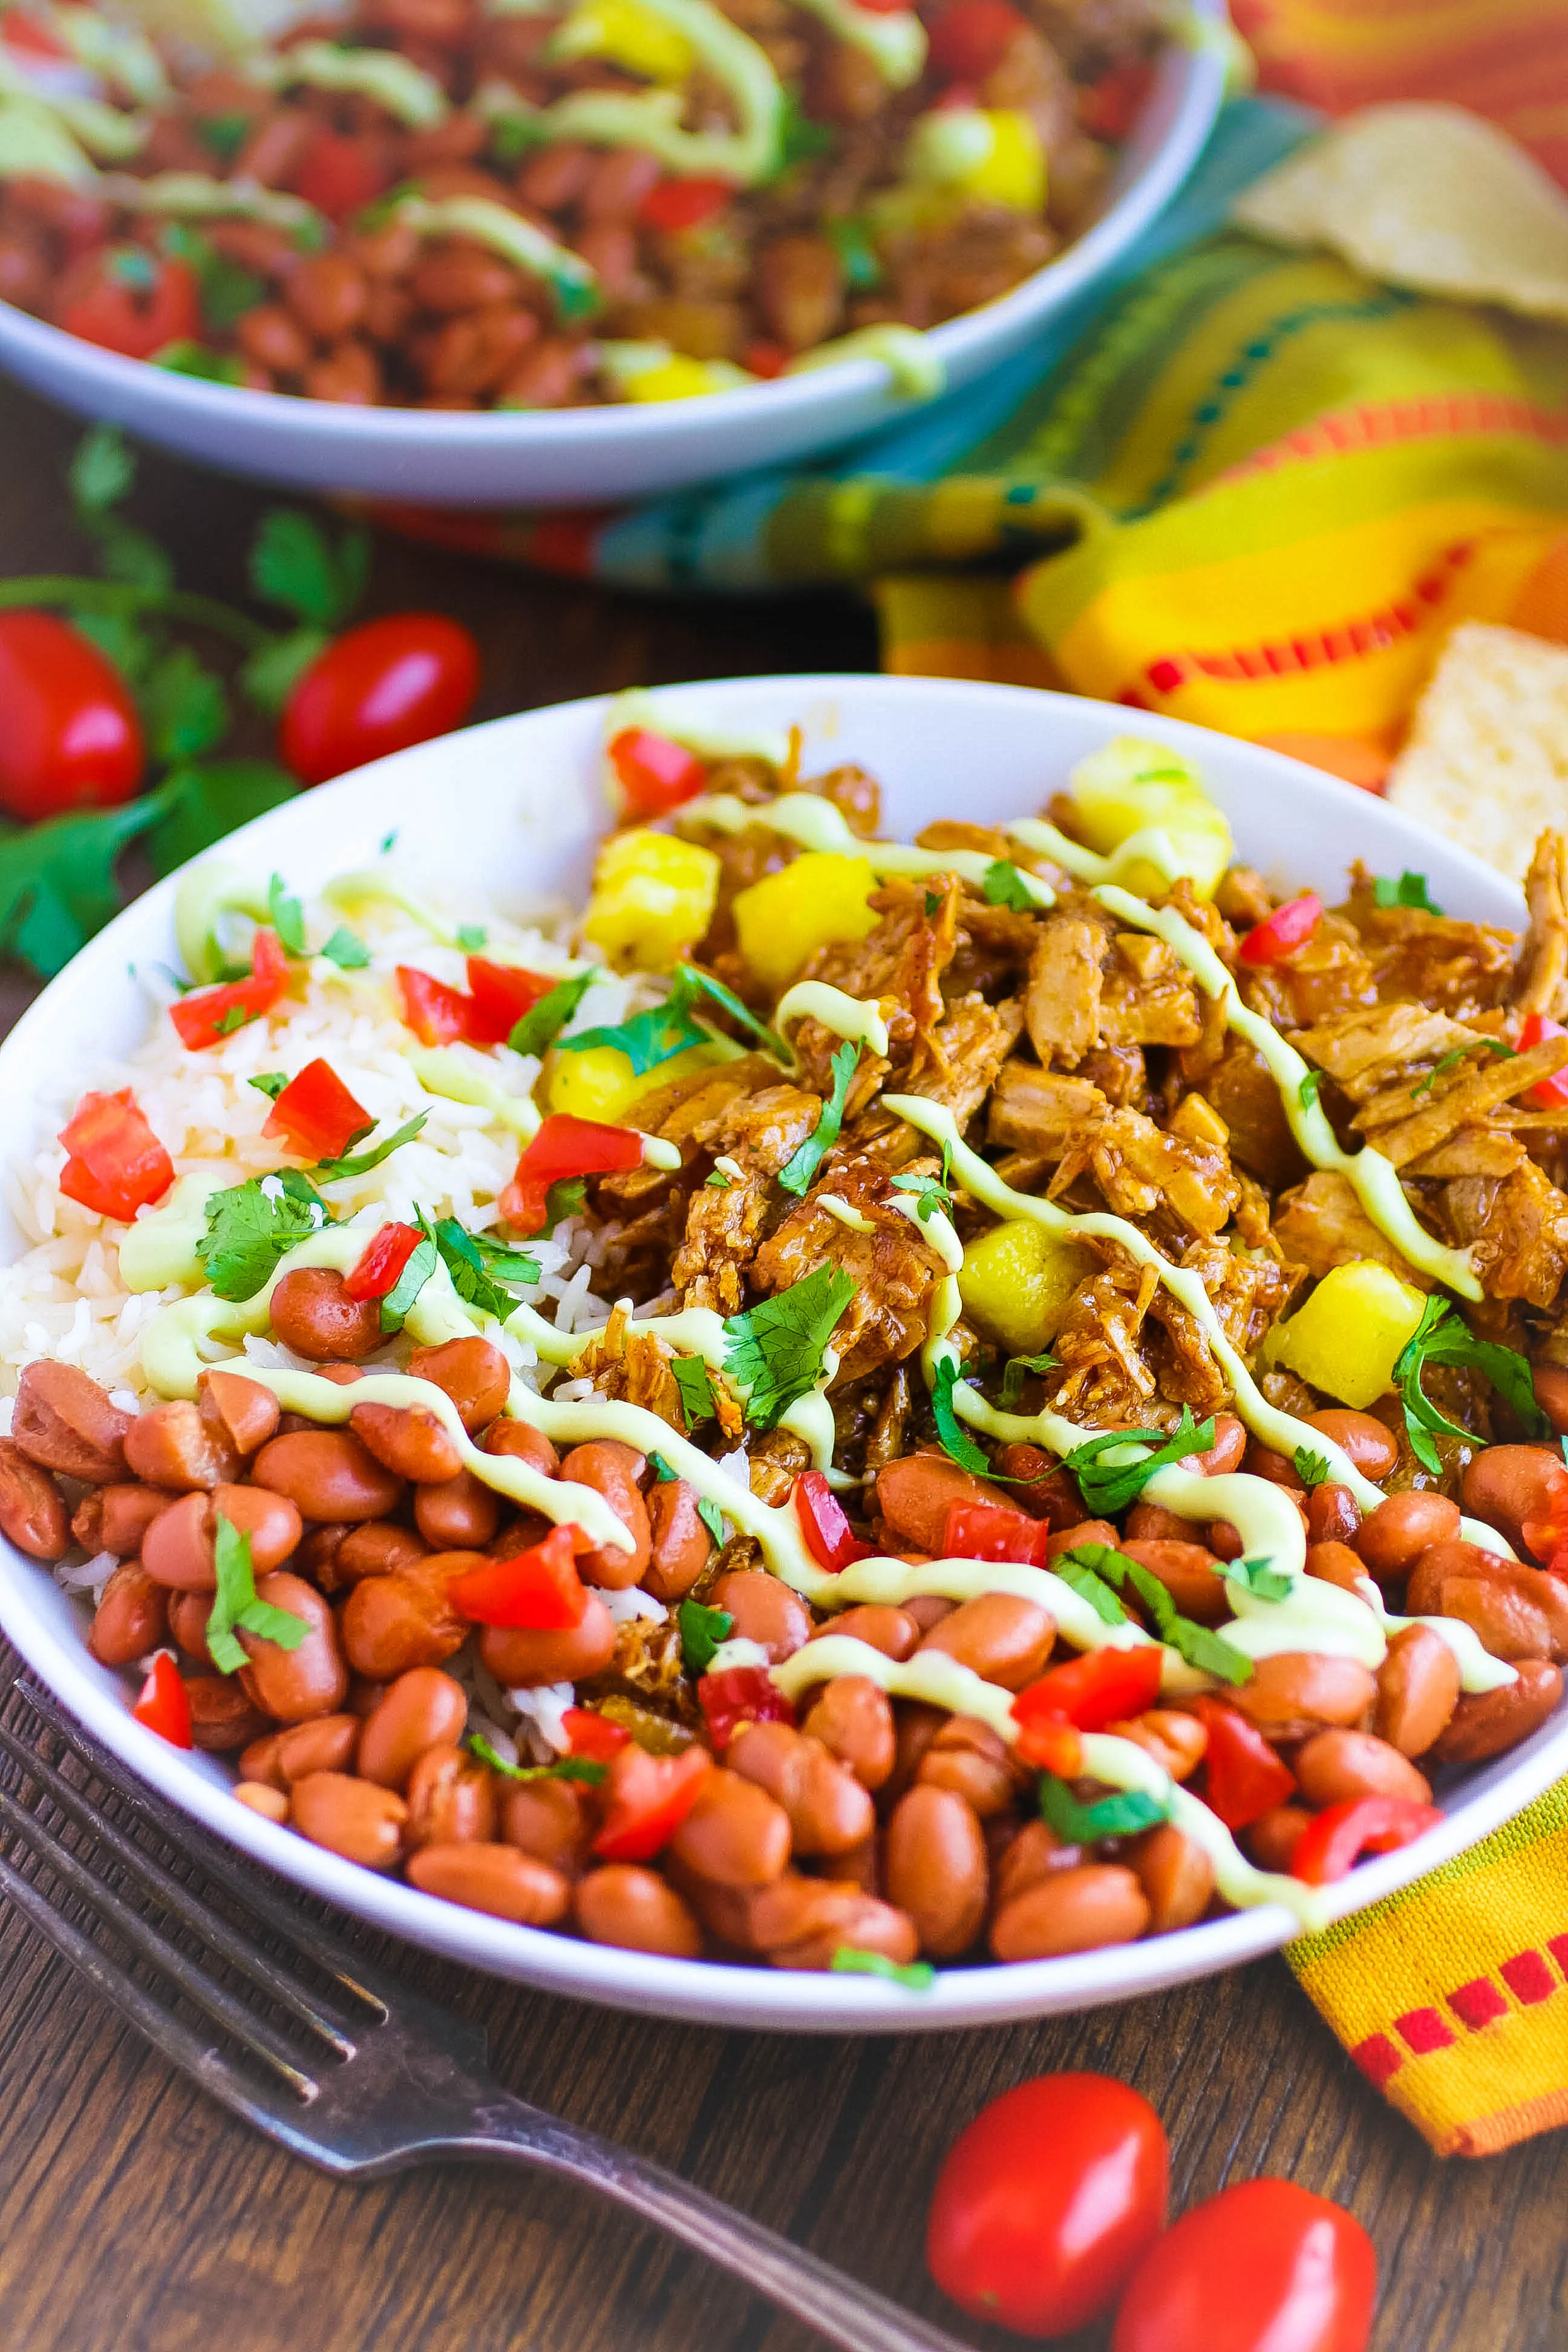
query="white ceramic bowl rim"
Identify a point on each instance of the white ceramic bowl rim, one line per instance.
(947, 728)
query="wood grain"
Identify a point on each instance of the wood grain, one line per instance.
(136, 2217)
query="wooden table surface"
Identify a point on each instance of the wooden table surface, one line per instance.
(136, 2217)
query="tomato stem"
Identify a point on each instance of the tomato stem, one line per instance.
(125, 597)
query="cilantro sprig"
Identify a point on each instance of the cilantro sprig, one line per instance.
(542, 1023)
(1013, 1372)
(931, 1195)
(852, 1961)
(361, 1163)
(1005, 885)
(1108, 1487)
(776, 1348)
(690, 1377)
(1442, 1336)
(701, 1632)
(1269, 1583)
(253, 1226)
(1123, 1815)
(799, 1169)
(1312, 1469)
(235, 1604)
(1084, 1570)
(1309, 1090)
(564, 1768)
(1406, 890)
(480, 1267)
(1446, 1062)
(956, 1442)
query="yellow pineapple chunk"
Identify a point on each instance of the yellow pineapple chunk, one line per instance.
(1016, 1281)
(600, 1082)
(1131, 786)
(1349, 1334)
(782, 920)
(652, 901)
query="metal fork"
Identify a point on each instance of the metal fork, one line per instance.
(371, 2078)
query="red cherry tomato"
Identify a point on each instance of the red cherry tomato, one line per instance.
(1263, 2267)
(1047, 2203)
(126, 299)
(71, 738)
(376, 690)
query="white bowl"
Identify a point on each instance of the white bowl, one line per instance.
(596, 456)
(514, 806)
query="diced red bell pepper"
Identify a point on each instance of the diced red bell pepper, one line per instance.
(340, 172)
(165, 1705)
(882, 7)
(740, 1694)
(655, 775)
(829, 1538)
(31, 38)
(1547, 1094)
(565, 1147)
(499, 996)
(316, 1114)
(1108, 108)
(1051, 1744)
(538, 1587)
(1278, 935)
(1339, 1836)
(649, 1798)
(765, 359)
(117, 1164)
(675, 205)
(376, 1270)
(435, 1014)
(210, 1015)
(1094, 1690)
(593, 1735)
(995, 1531)
(1244, 1779)
(970, 39)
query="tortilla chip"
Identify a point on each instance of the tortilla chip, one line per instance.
(1424, 195)
(1487, 761)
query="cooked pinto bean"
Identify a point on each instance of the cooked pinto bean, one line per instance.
(171, 1446)
(33, 1514)
(784, 1914)
(1178, 1742)
(326, 1744)
(449, 277)
(1189, 1574)
(473, 1373)
(505, 1435)
(618, 183)
(270, 1520)
(274, 340)
(1551, 1394)
(326, 292)
(613, 1470)
(1392, 1537)
(1487, 1723)
(353, 1818)
(828, 1810)
(313, 1314)
(935, 1869)
(245, 1410)
(116, 1519)
(1334, 1766)
(270, 1804)
(1072, 1911)
(1261, 1460)
(460, 1513)
(375, 1548)
(551, 1820)
(328, 1475)
(521, 1659)
(1508, 1485)
(1087, 1532)
(735, 1833)
(1273, 1838)
(764, 1611)
(1176, 1876)
(914, 1495)
(1518, 1612)
(1150, 1523)
(892, 1630)
(178, 1547)
(861, 1922)
(1371, 1446)
(967, 1757)
(394, 1622)
(451, 1800)
(798, 287)
(499, 1879)
(223, 1715)
(1003, 1638)
(1336, 1563)
(1044, 1489)
(189, 1614)
(925, 1610)
(64, 1422)
(1417, 1690)
(1333, 1514)
(132, 1618)
(1032, 1854)
(637, 1910)
(407, 1440)
(854, 1721)
(1293, 1693)
(915, 1726)
(349, 373)
(423, 1708)
(681, 1545)
(1225, 1453)
(293, 1684)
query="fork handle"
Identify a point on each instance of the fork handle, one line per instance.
(842, 2311)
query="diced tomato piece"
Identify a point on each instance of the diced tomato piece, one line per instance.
(339, 174)
(165, 1705)
(316, 1114)
(675, 205)
(1341, 1835)
(1051, 1744)
(499, 996)
(1282, 932)
(655, 775)
(435, 1014)
(538, 1587)
(739, 1694)
(649, 1797)
(1096, 1689)
(210, 1015)
(129, 300)
(829, 1538)
(565, 1147)
(765, 359)
(27, 35)
(376, 1270)
(995, 1531)
(1244, 1779)
(882, 7)
(970, 39)
(1547, 1094)
(1108, 108)
(117, 1164)
(593, 1735)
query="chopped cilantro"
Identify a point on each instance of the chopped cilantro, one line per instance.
(565, 1199)
(694, 982)
(422, 1263)
(388, 842)
(360, 1163)
(253, 1226)
(1083, 1570)
(662, 1470)
(931, 1194)
(1013, 1372)
(1004, 886)
(564, 1768)
(471, 937)
(1312, 1469)
(956, 1442)
(701, 1631)
(1267, 1583)
(712, 1518)
(1120, 1816)
(799, 1169)
(295, 563)
(858, 257)
(269, 1083)
(543, 1022)
(346, 949)
(776, 1348)
(1107, 1488)
(1311, 1087)
(224, 134)
(478, 1267)
(1208, 1651)
(235, 1604)
(718, 1181)
(934, 904)
(850, 1960)
(235, 1017)
(646, 1040)
(288, 918)
(1442, 1336)
(1409, 890)
(1447, 1061)
(696, 1389)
